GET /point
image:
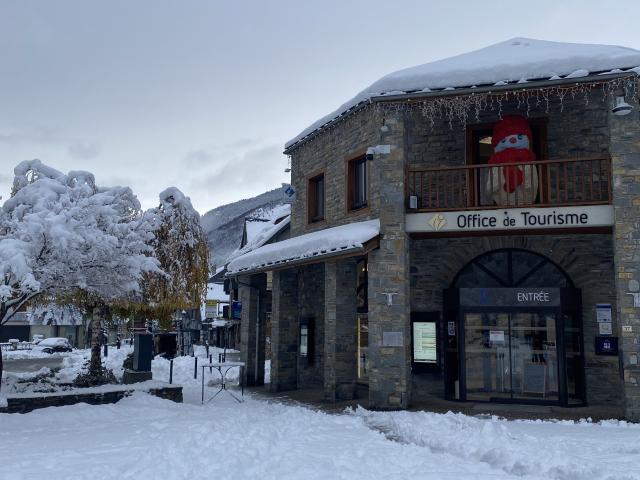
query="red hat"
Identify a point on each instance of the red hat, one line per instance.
(510, 125)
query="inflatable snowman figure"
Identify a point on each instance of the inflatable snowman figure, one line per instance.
(515, 184)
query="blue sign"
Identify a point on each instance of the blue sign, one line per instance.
(290, 191)
(236, 310)
(606, 345)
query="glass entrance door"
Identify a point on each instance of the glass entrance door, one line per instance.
(511, 356)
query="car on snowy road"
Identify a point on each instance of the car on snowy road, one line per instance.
(54, 345)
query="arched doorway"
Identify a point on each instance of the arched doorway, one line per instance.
(514, 331)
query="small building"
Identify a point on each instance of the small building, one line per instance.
(265, 226)
(463, 230)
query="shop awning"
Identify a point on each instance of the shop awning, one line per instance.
(343, 241)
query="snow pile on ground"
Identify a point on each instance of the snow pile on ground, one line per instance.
(146, 437)
(330, 240)
(559, 450)
(515, 60)
(42, 378)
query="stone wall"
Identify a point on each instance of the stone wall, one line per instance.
(577, 129)
(625, 153)
(284, 331)
(311, 288)
(329, 153)
(390, 362)
(341, 338)
(25, 404)
(587, 259)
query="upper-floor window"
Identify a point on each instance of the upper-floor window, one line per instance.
(315, 199)
(357, 187)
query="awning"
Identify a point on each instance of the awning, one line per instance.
(345, 240)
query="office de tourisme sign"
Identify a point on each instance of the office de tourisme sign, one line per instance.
(511, 219)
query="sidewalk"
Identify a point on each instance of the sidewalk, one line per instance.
(314, 398)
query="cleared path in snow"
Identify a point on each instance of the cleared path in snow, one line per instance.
(145, 437)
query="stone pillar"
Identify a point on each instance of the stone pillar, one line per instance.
(625, 157)
(253, 295)
(389, 325)
(340, 341)
(284, 330)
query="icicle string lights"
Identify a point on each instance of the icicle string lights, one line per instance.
(469, 106)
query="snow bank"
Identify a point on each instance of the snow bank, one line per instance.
(515, 60)
(558, 450)
(146, 437)
(330, 240)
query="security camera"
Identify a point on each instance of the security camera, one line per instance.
(378, 150)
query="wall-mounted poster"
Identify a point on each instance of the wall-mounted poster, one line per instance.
(425, 342)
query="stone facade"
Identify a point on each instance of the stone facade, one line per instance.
(625, 155)
(587, 259)
(418, 270)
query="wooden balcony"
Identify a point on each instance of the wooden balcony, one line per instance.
(544, 183)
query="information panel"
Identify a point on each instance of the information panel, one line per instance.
(425, 342)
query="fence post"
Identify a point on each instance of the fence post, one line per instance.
(195, 369)
(171, 371)
(210, 361)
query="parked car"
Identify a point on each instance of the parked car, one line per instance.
(54, 345)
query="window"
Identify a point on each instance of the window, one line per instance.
(357, 177)
(480, 150)
(316, 199)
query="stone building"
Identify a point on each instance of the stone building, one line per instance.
(424, 262)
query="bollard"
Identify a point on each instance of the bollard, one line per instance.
(210, 361)
(171, 371)
(106, 350)
(195, 369)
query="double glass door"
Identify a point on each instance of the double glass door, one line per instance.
(511, 356)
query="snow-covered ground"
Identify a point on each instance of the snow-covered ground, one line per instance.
(145, 437)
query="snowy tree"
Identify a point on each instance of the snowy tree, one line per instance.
(63, 235)
(180, 246)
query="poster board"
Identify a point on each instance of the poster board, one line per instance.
(425, 342)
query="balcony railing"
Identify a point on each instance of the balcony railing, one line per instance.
(544, 183)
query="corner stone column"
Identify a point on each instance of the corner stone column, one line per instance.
(625, 157)
(390, 360)
(284, 331)
(253, 295)
(340, 340)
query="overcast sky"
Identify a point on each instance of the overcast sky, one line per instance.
(203, 95)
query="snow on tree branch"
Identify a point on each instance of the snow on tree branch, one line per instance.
(60, 233)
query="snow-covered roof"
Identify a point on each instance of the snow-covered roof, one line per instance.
(327, 242)
(517, 61)
(215, 291)
(263, 227)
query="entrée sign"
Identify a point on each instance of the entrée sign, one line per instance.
(511, 219)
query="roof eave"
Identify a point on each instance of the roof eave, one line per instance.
(366, 247)
(535, 84)
(603, 77)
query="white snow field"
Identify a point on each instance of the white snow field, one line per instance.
(143, 437)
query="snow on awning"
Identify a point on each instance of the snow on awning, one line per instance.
(514, 61)
(316, 246)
